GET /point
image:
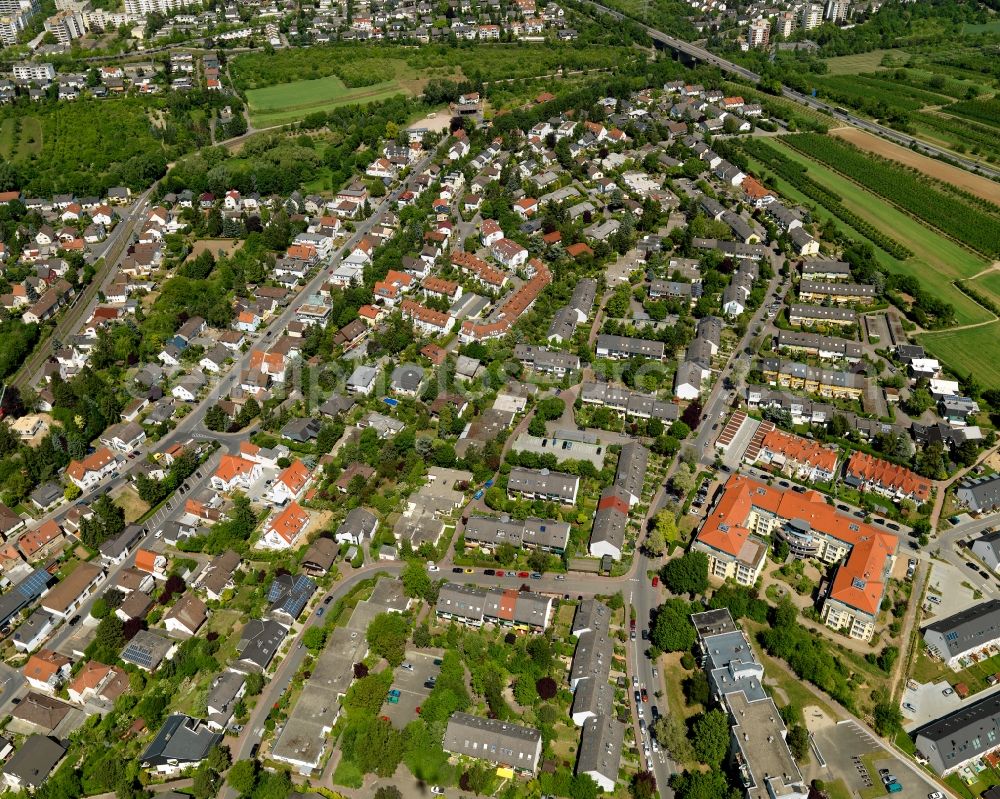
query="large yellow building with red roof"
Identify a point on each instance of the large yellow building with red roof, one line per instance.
(749, 513)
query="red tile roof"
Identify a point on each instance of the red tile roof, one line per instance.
(888, 475)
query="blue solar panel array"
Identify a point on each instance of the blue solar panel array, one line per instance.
(32, 586)
(290, 599)
(139, 655)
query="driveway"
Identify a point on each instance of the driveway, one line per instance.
(928, 702)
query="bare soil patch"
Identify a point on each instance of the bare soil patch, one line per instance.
(228, 246)
(974, 184)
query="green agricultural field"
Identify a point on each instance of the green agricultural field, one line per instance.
(288, 102)
(938, 261)
(988, 283)
(862, 62)
(975, 350)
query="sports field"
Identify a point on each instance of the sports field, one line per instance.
(938, 261)
(975, 350)
(290, 102)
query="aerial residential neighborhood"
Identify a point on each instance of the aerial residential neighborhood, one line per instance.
(507, 399)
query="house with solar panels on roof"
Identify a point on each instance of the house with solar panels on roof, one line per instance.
(288, 596)
(958, 639)
(22, 595)
(148, 650)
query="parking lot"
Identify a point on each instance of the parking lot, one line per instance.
(945, 583)
(412, 690)
(852, 755)
(926, 702)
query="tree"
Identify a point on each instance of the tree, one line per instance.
(886, 716)
(655, 543)
(360, 670)
(710, 737)
(416, 582)
(387, 636)
(216, 419)
(696, 688)
(388, 792)
(314, 639)
(525, 692)
(583, 787)
(243, 776)
(546, 687)
(672, 736)
(798, 741)
(255, 683)
(687, 574)
(701, 785)
(672, 630)
(643, 785)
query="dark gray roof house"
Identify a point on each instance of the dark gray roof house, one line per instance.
(987, 549)
(181, 742)
(631, 472)
(226, 689)
(301, 430)
(31, 765)
(543, 484)
(493, 740)
(258, 644)
(407, 379)
(357, 526)
(972, 630)
(980, 494)
(115, 549)
(47, 495)
(961, 737)
(601, 750)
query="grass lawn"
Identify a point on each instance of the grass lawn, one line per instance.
(862, 62)
(938, 261)
(975, 350)
(288, 102)
(128, 499)
(348, 775)
(28, 143)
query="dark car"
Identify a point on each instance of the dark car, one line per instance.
(971, 565)
(638, 698)
(328, 600)
(74, 621)
(457, 570)
(645, 635)
(655, 711)
(490, 572)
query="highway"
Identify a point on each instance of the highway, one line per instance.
(701, 54)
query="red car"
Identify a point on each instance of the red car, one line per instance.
(500, 572)
(523, 574)
(645, 696)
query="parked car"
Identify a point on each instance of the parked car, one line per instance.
(948, 691)
(490, 572)
(457, 570)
